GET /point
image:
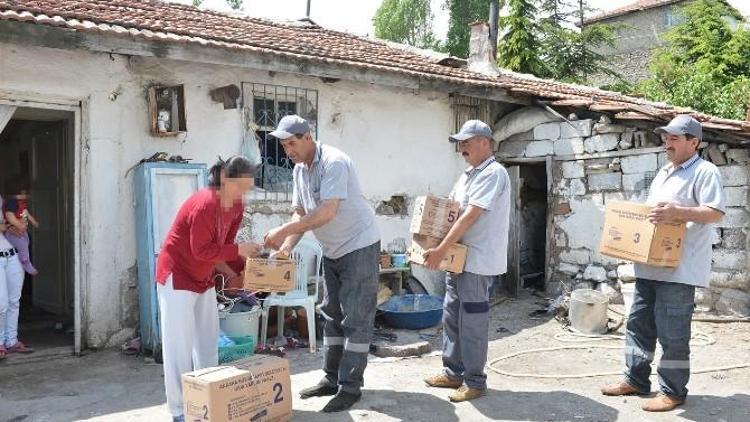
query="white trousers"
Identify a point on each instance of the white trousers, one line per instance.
(11, 286)
(189, 335)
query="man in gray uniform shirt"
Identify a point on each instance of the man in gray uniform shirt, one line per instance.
(688, 189)
(483, 192)
(328, 200)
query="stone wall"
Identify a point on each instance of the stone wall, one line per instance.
(595, 163)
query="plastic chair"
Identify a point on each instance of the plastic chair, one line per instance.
(308, 256)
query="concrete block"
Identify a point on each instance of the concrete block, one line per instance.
(612, 293)
(612, 275)
(512, 149)
(730, 280)
(402, 350)
(734, 175)
(734, 239)
(626, 272)
(539, 149)
(576, 256)
(634, 182)
(572, 169)
(547, 131)
(735, 218)
(595, 273)
(523, 136)
(705, 300)
(569, 269)
(569, 146)
(735, 196)
(577, 187)
(626, 140)
(737, 155)
(733, 302)
(576, 129)
(601, 143)
(729, 259)
(638, 163)
(600, 128)
(605, 181)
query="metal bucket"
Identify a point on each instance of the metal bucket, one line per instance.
(588, 311)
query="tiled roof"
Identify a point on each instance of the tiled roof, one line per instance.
(630, 8)
(169, 22)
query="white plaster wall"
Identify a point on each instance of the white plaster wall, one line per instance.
(396, 137)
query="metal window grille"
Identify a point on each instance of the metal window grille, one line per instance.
(648, 177)
(264, 105)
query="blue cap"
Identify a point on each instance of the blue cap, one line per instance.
(290, 125)
(471, 129)
(682, 125)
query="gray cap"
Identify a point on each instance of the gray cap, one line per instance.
(682, 125)
(471, 129)
(290, 125)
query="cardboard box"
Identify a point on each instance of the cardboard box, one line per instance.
(453, 261)
(255, 389)
(433, 216)
(629, 235)
(269, 275)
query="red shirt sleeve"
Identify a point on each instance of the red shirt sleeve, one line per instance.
(204, 237)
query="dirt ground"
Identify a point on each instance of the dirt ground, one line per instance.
(109, 386)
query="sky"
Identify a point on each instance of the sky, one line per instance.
(355, 16)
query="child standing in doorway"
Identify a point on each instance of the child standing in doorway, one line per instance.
(17, 215)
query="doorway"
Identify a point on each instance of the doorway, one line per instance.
(37, 147)
(528, 240)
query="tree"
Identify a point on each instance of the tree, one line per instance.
(235, 4)
(406, 21)
(519, 47)
(462, 13)
(704, 63)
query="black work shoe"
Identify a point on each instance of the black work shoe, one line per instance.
(320, 390)
(341, 401)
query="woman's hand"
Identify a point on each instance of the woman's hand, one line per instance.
(249, 249)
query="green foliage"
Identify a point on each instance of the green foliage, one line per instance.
(519, 47)
(704, 63)
(406, 21)
(462, 13)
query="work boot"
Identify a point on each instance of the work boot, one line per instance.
(443, 381)
(662, 403)
(341, 401)
(621, 388)
(466, 393)
(322, 389)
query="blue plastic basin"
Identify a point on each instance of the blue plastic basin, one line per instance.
(412, 312)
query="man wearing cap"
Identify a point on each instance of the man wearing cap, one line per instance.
(328, 201)
(483, 191)
(686, 190)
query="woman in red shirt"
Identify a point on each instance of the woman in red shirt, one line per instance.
(200, 241)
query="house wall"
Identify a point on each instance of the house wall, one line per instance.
(636, 35)
(390, 133)
(600, 162)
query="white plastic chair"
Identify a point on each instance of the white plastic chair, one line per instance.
(308, 256)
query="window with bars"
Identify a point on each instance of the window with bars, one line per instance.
(469, 108)
(264, 106)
